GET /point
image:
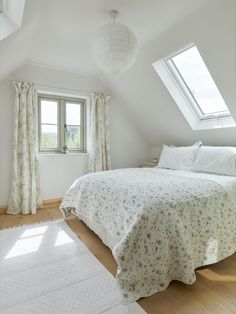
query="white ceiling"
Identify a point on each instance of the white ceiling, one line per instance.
(147, 101)
(15, 49)
(59, 33)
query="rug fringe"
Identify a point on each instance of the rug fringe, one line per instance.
(33, 224)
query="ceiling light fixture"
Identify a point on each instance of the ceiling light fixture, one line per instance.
(115, 46)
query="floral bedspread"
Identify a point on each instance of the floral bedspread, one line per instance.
(164, 225)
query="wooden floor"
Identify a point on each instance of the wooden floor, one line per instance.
(214, 292)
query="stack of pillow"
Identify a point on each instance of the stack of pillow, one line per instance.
(208, 159)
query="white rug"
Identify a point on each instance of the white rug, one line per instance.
(46, 269)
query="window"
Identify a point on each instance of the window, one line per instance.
(11, 15)
(192, 73)
(191, 85)
(61, 124)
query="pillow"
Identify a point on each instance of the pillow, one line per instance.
(218, 160)
(198, 144)
(178, 158)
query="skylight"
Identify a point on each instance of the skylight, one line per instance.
(189, 82)
(194, 74)
(11, 14)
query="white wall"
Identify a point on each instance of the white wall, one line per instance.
(212, 29)
(57, 172)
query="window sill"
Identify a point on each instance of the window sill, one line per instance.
(215, 123)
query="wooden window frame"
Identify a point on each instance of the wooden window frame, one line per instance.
(61, 124)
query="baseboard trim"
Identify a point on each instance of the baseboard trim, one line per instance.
(3, 209)
(52, 202)
(46, 204)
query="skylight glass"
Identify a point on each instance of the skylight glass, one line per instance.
(11, 15)
(193, 73)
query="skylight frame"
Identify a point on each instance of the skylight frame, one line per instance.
(183, 99)
(186, 89)
(11, 16)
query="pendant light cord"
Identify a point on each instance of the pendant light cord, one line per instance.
(114, 15)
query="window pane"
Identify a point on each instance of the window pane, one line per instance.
(199, 81)
(49, 111)
(72, 114)
(73, 137)
(48, 136)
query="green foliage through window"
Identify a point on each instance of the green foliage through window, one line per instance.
(73, 137)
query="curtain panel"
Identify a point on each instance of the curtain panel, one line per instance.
(98, 137)
(25, 188)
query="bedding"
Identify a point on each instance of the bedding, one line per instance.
(218, 160)
(160, 224)
(177, 158)
(227, 182)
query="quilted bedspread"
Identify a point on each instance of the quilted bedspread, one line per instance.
(164, 226)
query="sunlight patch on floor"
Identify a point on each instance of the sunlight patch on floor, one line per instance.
(29, 241)
(34, 231)
(25, 246)
(63, 238)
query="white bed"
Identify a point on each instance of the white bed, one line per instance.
(160, 224)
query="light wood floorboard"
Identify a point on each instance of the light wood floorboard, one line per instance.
(214, 291)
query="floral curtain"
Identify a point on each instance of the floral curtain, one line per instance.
(98, 139)
(25, 189)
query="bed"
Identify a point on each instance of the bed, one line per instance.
(159, 224)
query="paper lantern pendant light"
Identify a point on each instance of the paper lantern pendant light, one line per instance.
(115, 46)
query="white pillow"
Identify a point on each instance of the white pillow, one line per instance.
(178, 158)
(218, 160)
(198, 144)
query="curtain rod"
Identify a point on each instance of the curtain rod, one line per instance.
(81, 92)
(84, 92)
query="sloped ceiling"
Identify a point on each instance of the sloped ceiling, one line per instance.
(64, 36)
(213, 29)
(59, 33)
(15, 49)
